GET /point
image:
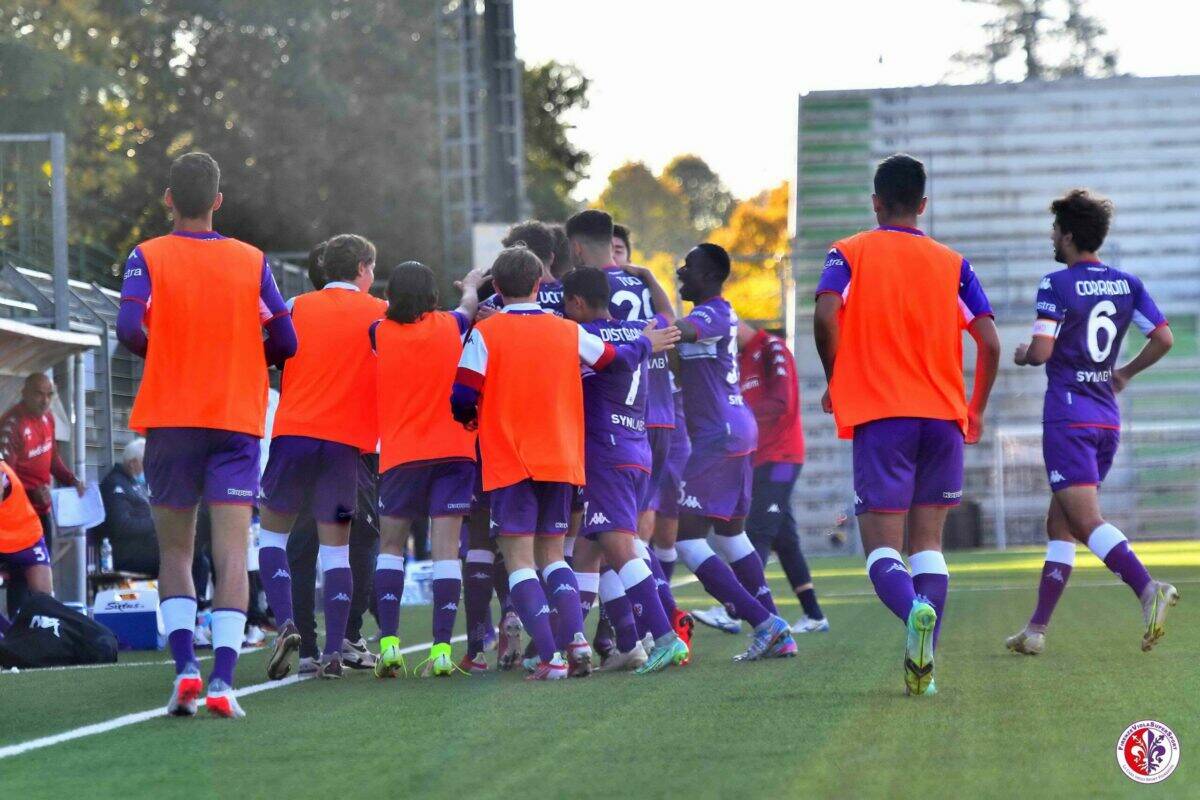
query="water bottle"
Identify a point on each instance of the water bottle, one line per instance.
(106, 555)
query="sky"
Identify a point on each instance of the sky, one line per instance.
(720, 78)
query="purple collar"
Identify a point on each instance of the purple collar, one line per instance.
(901, 229)
(198, 234)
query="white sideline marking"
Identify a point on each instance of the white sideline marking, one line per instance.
(37, 670)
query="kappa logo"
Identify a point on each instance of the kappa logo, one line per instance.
(482, 576)
(239, 492)
(450, 607)
(599, 519)
(858, 501)
(47, 623)
(896, 566)
(390, 596)
(1056, 575)
(563, 587)
(543, 611)
(342, 596)
(282, 573)
(762, 590)
(1056, 476)
(774, 509)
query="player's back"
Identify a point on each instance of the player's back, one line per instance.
(549, 297)
(1094, 305)
(615, 401)
(328, 387)
(716, 412)
(630, 299)
(205, 366)
(416, 366)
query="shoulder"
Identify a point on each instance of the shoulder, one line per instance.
(244, 248)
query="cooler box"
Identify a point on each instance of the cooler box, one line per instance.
(132, 616)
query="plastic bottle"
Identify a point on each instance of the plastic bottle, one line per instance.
(106, 555)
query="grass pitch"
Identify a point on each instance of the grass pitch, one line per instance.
(833, 722)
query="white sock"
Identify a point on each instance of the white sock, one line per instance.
(928, 562)
(881, 553)
(178, 614)
(228, 628)
(334, 556)
(1060, 552)
(517, 576)
(588, 581)
(1104, 539)
(666, 554)
(611, 586)
(732, 548)
(450, 569)
(268, 538)
(389, 561)
(481, 557)
(694, 552)
(634, 572)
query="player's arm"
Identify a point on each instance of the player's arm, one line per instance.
(280, 343)
(1159, 339)
(135, 299)
(468, 380)
(629, 356)
(659, 298)
(832, 289)
(468, 306)
(700, 324)
(780, 395)
(977, 315)
(1040, 347)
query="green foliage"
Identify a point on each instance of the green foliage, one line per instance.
(655, 210)
(708, 202)
(553, 165)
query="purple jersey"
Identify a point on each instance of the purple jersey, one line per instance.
(629, 299)
(717, 416)
(1089, 307)
(614, 403)
(550, 298)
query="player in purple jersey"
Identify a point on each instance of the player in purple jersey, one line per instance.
(617, 462)
(538, 237)
(1083, 312)
(715, 492)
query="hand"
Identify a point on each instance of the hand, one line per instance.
(636, 271)
(472, 280)
(1120, 380)
(826, 403)
(974, 426)
(81, 487)
(1019, 357)
(40, 495)
(661, 338)
(484, 312)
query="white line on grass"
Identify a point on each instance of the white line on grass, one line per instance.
(38, 670)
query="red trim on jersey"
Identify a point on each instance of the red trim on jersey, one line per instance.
(605, 358)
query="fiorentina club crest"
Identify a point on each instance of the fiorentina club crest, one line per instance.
(1148, 751)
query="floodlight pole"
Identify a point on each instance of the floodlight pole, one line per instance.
(58, 202)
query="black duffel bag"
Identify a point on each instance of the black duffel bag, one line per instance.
(45, 633)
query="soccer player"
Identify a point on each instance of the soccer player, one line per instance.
(715, 490)
(772, 390)
(622, 249)
(891, 307)
(1083, 313)
(202, 403)
(326, 418)
(618, 470)
(539, 238)
(22, 541)
(427, 460)
(519, 381)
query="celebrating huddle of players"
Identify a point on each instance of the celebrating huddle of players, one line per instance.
(544, 428)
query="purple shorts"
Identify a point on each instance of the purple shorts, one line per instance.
(716, 485)
(611, 499)
(33, 556)
(184, 465)
(1077, 456)
(902, 462)
(666, 478)
(322, 475)
(437, 489)
(531, 507)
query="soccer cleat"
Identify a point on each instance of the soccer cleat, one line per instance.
(473, 666)
(509, 645)
(579, 655)
(765, 637)
(670, 651)
(439, 664)
(684, 626)
(918, 647)
(530, 664)
(1157, 599)
(489, 640)
(279, 664)
(220, 701)
(648, 642)
(553, 670)
(202, 636)
(186, 692)
(616, 661)
(784, 647)
(390, 662)
(254, 637)
(330, 666)
(308, 667)
(355, 655)
(1031, 643)
(717, 617)
(809, 625)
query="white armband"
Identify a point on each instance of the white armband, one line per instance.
(1045, 327)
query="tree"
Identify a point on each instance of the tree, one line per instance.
(1052, 40)
(756, 238)
(553, 165)
(655, 210)
(708, 202)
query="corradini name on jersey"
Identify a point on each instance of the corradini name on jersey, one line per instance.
(1095, 288)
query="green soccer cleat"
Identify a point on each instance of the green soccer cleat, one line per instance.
(440, 663)
(391, 661)
(918, 648)
(669, 651)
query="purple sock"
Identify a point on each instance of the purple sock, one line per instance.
(530, 602)
(720, 582)
(224, 661)
(589, 585)
(1054, 580)
(749, 572)
(179, 620)
(643, 594)
(182, 649)
(893, 584)
(662, 584)
(228, 633)
(563, 590)
(277, 582)
(620, 614)
(478, 584)
(389, 590)
(667, 563)
(447, 586)
(934, 588)
(1125, 563)
(339, 588)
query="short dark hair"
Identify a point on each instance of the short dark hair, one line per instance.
(342, 255)
(194, 181)
(622, 233)
(316, 275)
(717, 258)
(593, 226)
(1085, 216)
(900, 183)
(535, 235)
(562, 251)
(516, 271)
(411, 292)
(588, 284)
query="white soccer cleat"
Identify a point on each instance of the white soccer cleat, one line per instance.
(717, 617)
(309, 667)
(254, 637)
(618, 661)
(185, 693)
(809, 625)
(1157, 599)
(1031, 643)
(579, 655)
(221, 702)
(201, 636)
(356, 655)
